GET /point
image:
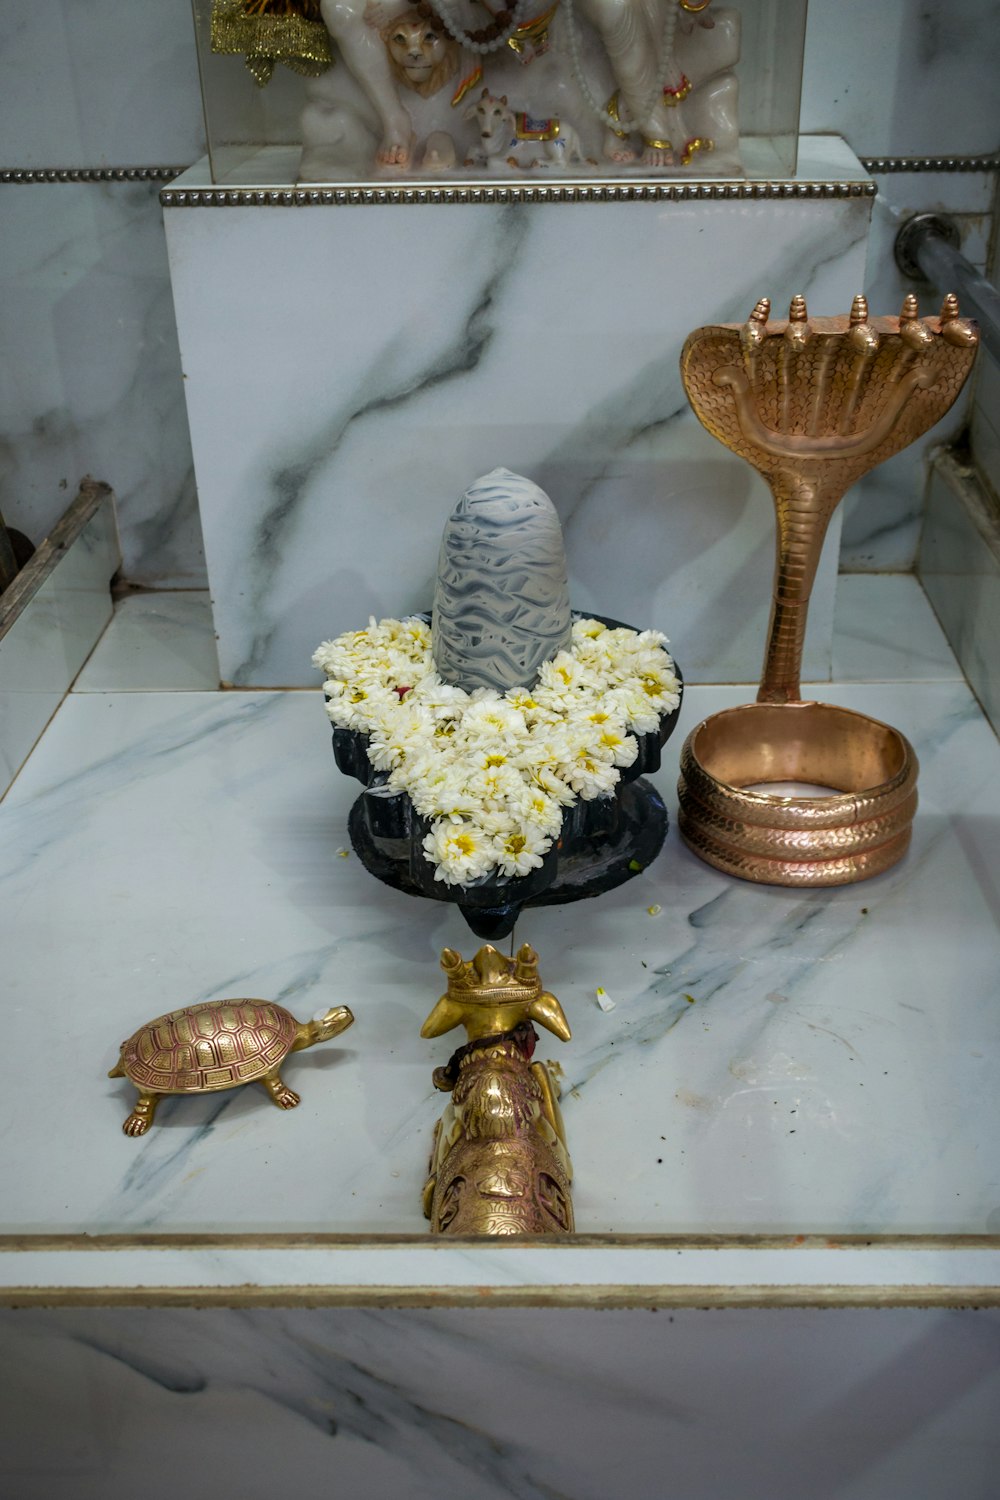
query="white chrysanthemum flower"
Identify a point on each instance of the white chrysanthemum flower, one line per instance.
(494, 772)
(443, 699)
(633, 706)
(618, 748)
(537, 807)
(493, 720)
(520, 850)
(400, 733)
(441, 797)
(460, 850)
(521, 700)
(552, 784)
(496, 786)
(588, 630)
(561, 674)
(592, 777)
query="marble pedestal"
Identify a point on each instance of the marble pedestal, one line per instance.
(351, 366)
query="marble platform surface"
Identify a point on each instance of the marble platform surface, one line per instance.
(544, 337)
(818, 1063)
(156, 642)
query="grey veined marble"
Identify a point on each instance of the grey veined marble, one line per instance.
(501, 602)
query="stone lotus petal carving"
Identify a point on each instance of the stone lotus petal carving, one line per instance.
(812, 404)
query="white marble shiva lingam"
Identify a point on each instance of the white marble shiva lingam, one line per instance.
(506, 649)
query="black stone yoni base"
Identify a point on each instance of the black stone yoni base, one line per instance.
(603, 844)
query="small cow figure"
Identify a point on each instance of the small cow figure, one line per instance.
(517, 138)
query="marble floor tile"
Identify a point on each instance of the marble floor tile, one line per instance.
(156, 642)
(777, 1061)
(886, 631)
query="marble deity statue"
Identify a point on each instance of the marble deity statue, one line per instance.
(640, 40)
(646, 85)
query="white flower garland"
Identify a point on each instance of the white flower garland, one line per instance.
(494, 772)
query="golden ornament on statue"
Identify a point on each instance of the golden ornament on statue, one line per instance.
(812, 405)
(499, 1164)
(220, 1044)
(268, 32)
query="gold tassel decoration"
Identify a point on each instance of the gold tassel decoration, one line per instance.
(266, 32)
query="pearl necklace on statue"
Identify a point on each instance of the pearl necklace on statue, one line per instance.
(619, 126)
(489, 38)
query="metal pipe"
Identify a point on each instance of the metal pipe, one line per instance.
(926, 249)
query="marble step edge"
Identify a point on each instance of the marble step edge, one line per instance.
(644, 191)
(51, 618)
(798, 1271)
(827, 168)
(92, 494)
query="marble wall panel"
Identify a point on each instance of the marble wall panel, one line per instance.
(517, 1404)
(542, 337)
(883, 513)
(903, 79)
(985, 424)
(99, 84)
(92, 379)
(960, 569)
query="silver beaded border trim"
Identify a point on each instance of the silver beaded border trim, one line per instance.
(368, 195)
(89, 174)
(885, 164)
(583, 192)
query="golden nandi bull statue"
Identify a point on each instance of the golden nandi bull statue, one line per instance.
(499, 1163)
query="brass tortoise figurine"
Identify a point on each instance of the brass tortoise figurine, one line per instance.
(219, 1044)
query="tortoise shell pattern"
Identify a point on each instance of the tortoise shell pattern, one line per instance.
(210, 1046)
